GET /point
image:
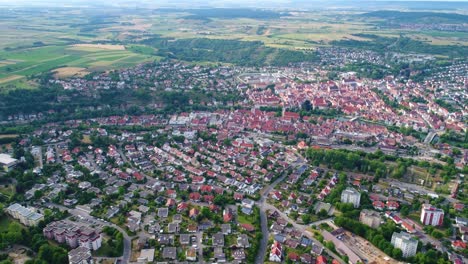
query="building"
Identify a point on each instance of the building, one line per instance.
(73, 235)
(370, 218)
(7, 162)
(146, 256)
(351, 195)
(406, 243)
(431, 215)
(276, 252)
(25, 215)
(80, 255)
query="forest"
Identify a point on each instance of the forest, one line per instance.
(401, 44)
(242, 53)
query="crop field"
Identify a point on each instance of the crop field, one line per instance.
(65, 60)
(73, 42)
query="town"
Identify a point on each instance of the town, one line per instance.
(284, 164)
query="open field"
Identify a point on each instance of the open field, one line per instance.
(10, 78)
(65, 60)
(35, 42)
(100, 46)
(66, 72)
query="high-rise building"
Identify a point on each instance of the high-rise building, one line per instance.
(431, 215)
(351, 195)
(406, 243)
(370, 218)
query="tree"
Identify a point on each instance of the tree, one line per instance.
(305, 218)
(397, 253)
(306, 106)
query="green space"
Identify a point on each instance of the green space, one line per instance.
(25, 63)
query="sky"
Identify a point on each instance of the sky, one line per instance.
(220, 3)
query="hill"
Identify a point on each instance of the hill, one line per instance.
(417, 17)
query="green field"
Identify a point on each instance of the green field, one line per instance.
(19, 65)
(35, 42)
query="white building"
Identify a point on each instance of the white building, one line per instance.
(351, 195)
(406, 243)
(25, 215)
(431, 215)
(146, 256)
(7, 162)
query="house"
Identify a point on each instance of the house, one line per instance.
(392, 205)
(170, 253)
(219, 255)
(184, 239)
(191, 254)
(226, 229)
(458, 245)
(238, 254)
(247, 227)
(276, 195)
(227, 215)
(218, 240)
(243, 241)
(166, 239)
(247, 203)
(293, 256)
(276, 252)
(321, 260)
(182, 207)
(173, 228)
(146, 256)
(163, 212)
(378, 205)
(194, 212)
(195, 197)
(307, 258)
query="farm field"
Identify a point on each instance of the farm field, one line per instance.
(74, 42)
(65, 60)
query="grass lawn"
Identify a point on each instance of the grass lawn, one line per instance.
(104, 251)
(8, 190)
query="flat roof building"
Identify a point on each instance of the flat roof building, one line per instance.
(26, 216)
(80, 255)
(7, 162)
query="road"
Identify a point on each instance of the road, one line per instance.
(303, 230)
(85, 216)
(264, 206)
(263, 218)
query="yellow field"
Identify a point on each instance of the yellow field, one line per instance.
(11, 78)
(9, 136)
(99, 46)
(66, 72)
